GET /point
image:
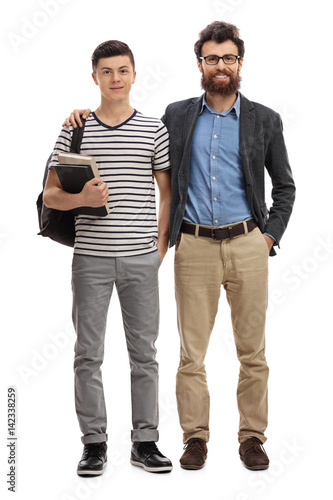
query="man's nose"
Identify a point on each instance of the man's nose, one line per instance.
(221, 65)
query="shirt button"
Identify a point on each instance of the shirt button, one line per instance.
(215, 199)
(216, 221)
(214, 178)
(213, 157)
(218, 116)
(215, 136)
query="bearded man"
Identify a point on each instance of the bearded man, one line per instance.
(220, 145)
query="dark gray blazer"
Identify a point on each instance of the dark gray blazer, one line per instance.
(261, 146)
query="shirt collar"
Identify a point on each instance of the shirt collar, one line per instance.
(235, 106)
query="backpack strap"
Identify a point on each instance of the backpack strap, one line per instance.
(77, 137)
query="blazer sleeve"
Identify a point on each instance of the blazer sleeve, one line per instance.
(283, 187)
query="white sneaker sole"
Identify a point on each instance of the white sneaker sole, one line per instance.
(90, 472)
(166, 468)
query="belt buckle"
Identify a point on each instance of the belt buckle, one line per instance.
(220, 229)
(213, 232)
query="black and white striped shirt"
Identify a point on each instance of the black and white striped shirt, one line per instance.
(126, 156)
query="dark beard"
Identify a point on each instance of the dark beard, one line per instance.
(213, 87)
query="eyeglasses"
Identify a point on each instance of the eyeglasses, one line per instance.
(212, 60)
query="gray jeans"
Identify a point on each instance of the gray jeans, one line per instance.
(136, 280)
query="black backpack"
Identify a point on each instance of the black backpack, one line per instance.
(59, 225)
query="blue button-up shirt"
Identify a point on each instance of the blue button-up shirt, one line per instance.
(216, 193)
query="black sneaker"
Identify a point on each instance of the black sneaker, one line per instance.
(146, 454)
(93, 460)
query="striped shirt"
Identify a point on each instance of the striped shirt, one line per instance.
(126, 156)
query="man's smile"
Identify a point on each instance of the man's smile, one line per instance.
(221, 76)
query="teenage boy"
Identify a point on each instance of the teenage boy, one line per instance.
(124, 249)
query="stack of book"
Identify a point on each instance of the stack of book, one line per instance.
(74, 170)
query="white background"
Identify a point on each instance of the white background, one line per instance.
(45, 74)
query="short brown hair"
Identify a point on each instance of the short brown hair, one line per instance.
(111, 48)
(219, 32)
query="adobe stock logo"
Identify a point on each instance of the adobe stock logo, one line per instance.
(3, 237)
(226, 6)
(153, 77)
(45, 355)
(31, 26)
(262, 481)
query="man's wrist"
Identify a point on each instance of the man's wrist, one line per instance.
(267, 234)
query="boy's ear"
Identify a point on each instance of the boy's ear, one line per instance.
(94, 78)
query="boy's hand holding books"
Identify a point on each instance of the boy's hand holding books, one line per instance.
(95, 193)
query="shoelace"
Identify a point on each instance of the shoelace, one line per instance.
(93, 450)
(149, 448)
(256, 446)
(195, 443)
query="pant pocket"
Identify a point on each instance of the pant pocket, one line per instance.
(262, 240)
(178, 241)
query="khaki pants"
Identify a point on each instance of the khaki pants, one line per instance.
(202, 265)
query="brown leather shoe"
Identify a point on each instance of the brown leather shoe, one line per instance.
(195, 454)
(253, 454)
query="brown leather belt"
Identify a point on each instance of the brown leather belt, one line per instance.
(218, 233)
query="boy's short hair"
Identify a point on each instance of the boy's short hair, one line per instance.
(111, 48)
(219, 32)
